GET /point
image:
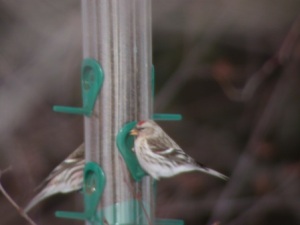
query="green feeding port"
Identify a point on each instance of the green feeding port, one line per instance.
(91, 82)
(93, 186)
(165, 116)
(169, 222)
(125, 144)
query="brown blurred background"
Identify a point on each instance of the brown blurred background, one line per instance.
(230, 67)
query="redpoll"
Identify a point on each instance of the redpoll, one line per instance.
(160, 156)
(66, 177)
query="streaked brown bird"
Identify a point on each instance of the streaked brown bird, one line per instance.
(160, 156)
(65, 178)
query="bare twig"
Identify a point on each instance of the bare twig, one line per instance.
(246, 163)
(12, 202)
(269, 116)
(278, 59)
(4, 171)
(270, 199)
(180, 76)
(271, 113)
(190, 59)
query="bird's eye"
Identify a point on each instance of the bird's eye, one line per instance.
(140, 128)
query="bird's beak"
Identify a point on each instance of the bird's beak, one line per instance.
(134, 132)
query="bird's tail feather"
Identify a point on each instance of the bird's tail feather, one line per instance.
(52, 190)
(213, 173)
(38, 198)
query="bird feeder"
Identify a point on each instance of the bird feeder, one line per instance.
(117, 81)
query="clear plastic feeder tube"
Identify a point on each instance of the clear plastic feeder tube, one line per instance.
(117, 33)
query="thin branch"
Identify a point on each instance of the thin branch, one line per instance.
(190, 59)
(246, 162)
(280, 58)
(5, 171)
(270, 199)
(12, 202)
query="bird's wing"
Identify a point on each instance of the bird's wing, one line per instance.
(162, 144)
(66, 177)
(175, 156)
(68, 180)
(166, 147)
(71, 161)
